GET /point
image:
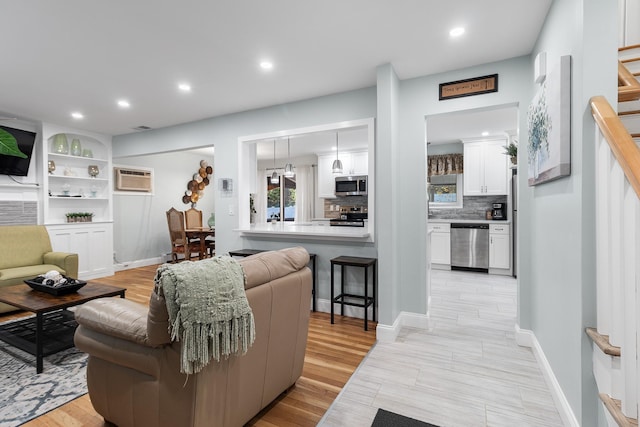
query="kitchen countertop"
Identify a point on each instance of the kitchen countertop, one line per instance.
(468, 221)
(307, 230)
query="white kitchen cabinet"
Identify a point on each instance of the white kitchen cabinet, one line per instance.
(440, 245)
(499, 246)
(353, 163)
(359, 163)
(326, 178)
(485, 168)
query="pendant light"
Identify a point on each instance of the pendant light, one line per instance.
(275, 178)
(337, 163)
(288, 168)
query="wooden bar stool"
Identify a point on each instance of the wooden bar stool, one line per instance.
(312, 259)
(363, 301)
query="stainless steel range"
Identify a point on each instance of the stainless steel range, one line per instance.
(353, 217)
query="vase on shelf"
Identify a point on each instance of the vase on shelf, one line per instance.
(76, 148)
(212, 220)
(60, 144)
(93, 170)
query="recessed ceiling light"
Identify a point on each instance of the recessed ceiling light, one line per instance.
(185, 87)
(77, 115)
(123, 103)
(485, 133)
(456, 32)
(266, 65)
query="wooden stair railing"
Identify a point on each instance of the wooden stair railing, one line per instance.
(627, 156)
(622, 145)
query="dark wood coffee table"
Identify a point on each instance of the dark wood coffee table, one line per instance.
(52, 328)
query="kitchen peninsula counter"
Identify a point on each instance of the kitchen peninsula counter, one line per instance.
(468, 221)
(296, 230)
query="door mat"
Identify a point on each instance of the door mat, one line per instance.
(390, 419)
(25, 395)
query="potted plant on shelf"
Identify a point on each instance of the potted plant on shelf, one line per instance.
(511, 150)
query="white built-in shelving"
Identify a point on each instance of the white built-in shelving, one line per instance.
(71, 189)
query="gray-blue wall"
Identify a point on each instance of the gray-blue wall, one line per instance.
(557, 252)
(557, 247)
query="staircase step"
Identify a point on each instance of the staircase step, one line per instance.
(627, 52)
(614, 407)
(629, 112)
(602, 341)
(631, 122)
(624, 107)
(632, 66)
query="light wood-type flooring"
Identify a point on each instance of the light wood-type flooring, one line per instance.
(465, 370)
(333, 353)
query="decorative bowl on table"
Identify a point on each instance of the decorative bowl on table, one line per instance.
(59, 285)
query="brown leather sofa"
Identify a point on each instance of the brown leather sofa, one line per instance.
(133, 372)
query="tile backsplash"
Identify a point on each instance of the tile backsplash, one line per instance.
(474, 207)
(332, 206)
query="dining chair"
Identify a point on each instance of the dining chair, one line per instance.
(193, 219)
(179, 242)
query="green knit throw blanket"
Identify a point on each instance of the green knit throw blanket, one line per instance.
(208, 310)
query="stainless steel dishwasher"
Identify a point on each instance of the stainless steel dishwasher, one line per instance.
(470, 246)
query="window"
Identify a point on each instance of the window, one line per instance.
(281, 199)
(445, 191)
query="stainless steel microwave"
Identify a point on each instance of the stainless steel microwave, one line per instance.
(351, 185)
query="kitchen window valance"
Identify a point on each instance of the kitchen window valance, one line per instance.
(445, 164)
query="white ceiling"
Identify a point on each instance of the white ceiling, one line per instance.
(313, 143)
(453, 127)
(77, 55)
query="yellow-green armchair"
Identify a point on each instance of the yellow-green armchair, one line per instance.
(26, 253)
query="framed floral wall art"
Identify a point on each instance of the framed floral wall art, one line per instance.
(549, 123)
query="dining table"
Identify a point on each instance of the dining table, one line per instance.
(201, 233)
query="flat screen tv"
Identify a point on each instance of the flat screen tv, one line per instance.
(16, 148)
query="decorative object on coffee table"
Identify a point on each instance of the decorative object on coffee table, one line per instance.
(52, 328)
(55, 285)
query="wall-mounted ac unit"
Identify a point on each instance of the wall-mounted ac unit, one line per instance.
(128, 179)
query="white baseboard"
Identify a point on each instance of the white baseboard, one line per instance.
(139, 263)
(527, 338)
(384, 333)
(388, 333)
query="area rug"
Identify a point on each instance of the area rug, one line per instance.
(390, 419)
(25, 395)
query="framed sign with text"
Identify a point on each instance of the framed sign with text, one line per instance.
(468, 87)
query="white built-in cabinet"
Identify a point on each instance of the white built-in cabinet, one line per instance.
(485, 167)
(499, 246)
(440, 245)
(71, 189)
(353, 163)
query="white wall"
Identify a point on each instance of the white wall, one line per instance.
(557, 249)
(141, 231)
